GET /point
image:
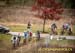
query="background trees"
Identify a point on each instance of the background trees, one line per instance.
(65, 3)
(49, 9)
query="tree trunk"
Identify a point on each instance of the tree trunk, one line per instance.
(44, 24)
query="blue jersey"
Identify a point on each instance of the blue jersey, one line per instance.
(25, 34)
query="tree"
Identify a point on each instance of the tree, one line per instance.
(7, 2)
(50, 9)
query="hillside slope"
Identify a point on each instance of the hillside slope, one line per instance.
(25, 14)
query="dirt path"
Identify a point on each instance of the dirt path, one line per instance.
(27, 48)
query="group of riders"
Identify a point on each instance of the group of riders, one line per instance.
(65, 28)
(16, 39)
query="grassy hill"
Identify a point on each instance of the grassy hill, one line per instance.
(21, 15)
(24, 14)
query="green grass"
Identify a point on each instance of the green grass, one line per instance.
(5, 41)
(21, 28)
(17, 28)
(34, 28)
(63, 42)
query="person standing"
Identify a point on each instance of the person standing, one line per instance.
(29, 25)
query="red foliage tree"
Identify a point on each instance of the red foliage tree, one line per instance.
(50, 10)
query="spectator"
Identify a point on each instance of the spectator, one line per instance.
(29, 25)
